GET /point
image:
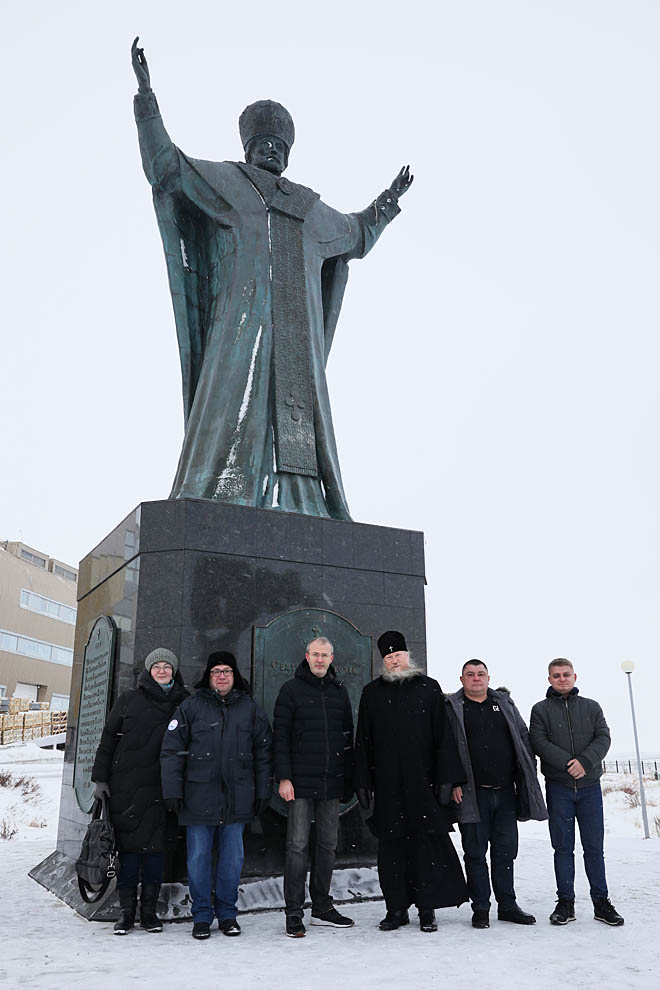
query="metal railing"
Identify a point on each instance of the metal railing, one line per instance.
(650, 768)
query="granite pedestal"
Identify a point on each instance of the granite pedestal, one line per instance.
(194, 576)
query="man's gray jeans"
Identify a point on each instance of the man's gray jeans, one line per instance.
(326, 817)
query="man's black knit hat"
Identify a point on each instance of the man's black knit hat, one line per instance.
(221, 658)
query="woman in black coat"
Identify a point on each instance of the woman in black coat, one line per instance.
(127, 770)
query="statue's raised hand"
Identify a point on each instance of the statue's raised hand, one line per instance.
(140, 67)
(402, 182)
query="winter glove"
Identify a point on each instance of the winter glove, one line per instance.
(262, 805)
(364, 797)
(174, 805)
(101, 788)
(443, 794)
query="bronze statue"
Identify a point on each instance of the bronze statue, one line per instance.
(257, 268)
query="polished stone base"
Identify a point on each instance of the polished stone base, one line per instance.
(195, 576)
(58, 875)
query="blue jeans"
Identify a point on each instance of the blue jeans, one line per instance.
(152, 865)
(498, 826)
(565, 804)
(299, 823)
(227, 874)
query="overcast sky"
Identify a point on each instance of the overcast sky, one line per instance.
(494, 373)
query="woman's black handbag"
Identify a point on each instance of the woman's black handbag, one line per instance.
(96, 864)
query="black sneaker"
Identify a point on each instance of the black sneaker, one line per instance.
(604, 911)
(332, 918)
(427, 922)
(229, 926)
(394, 920)
(516, 915)
(563, 913)
(295, 928)
(201, 929)
(480, 919)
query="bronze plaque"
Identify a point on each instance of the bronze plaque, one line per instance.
(280, 646)
(94, 702)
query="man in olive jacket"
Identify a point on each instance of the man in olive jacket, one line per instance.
(313, 730)
(502, 789)
(571, 736)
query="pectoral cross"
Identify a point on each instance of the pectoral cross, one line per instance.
(294, 407)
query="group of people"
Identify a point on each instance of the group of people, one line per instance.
(419, 762)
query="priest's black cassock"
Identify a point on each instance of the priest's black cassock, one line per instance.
(406, 754)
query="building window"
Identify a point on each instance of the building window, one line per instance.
(46, 606)
(27, 691)
(32, 557)
(36, 648)
(3, 690)
(129, 544)
(59, 703)
(63, 572)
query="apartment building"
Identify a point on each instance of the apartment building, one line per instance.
(37, 623)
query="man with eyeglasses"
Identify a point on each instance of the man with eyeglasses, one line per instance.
(127, 771)
(217, 775)
(313, 728)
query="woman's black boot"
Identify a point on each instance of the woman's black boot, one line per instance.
(149, 920)
(128, 904)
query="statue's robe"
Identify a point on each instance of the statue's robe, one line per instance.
(257, 268)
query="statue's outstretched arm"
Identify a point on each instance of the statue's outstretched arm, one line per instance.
(140, 68)
(159, 156)
(382, 211)
(386, 206)
(402, 182)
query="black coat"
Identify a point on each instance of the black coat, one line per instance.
(313, 729)
(405, 752)
(216, 755)
(128, 761)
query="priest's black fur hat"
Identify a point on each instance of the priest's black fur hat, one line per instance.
(391, 642)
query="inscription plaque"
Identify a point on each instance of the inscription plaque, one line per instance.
(94, 700)
(280, 646)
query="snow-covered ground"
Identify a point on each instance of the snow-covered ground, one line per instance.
(30, 802)
(44, 944)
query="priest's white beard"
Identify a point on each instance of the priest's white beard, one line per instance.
(405, 674)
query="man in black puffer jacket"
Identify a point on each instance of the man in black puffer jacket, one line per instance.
(217, 773)
(127, 769)
(313, 727)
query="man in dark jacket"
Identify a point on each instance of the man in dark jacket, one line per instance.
(571, 736)
(217, 772)
(313, 729)
(406, 756)
(127, 770)
(501, 788)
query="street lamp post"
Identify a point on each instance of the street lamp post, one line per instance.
(627, 667)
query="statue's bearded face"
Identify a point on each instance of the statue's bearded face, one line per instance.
(268, 152)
